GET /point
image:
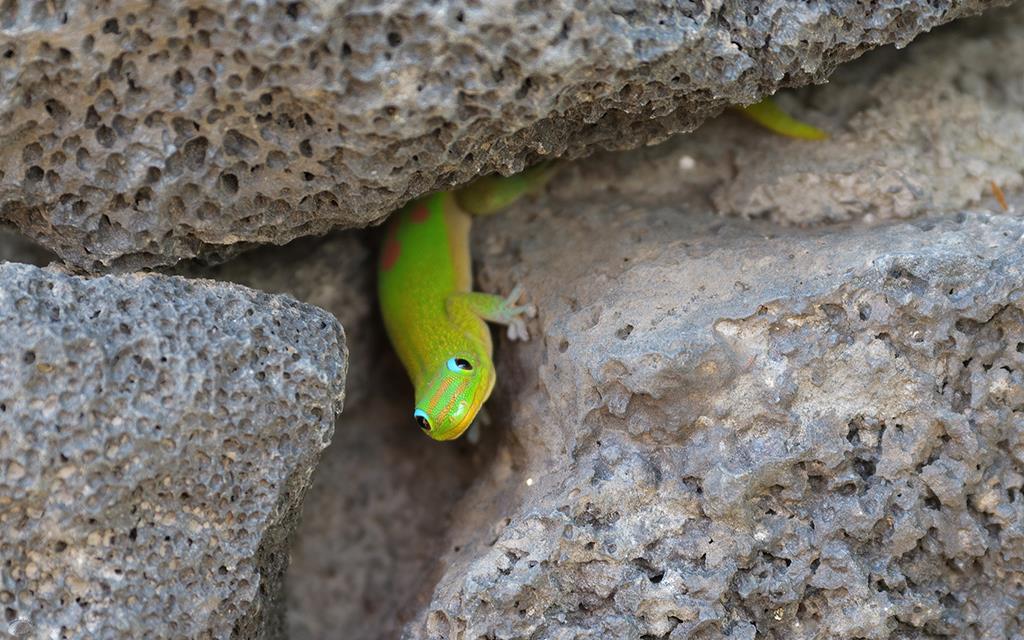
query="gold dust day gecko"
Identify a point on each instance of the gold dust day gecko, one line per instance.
(436, 322)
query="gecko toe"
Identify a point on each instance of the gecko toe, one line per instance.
(513, 296)
(517, 330)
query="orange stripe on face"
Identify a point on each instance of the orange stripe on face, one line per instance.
(441, 389)
(455, 396)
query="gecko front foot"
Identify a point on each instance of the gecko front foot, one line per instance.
(517, 314)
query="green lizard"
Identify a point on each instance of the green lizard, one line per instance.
(436, 322)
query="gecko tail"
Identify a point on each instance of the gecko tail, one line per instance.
(768, 114)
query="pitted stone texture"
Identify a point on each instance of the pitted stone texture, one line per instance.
(142, 135)
(914, 132)
(722, 429)
(156, 438)
(929, 129)
(335, 273)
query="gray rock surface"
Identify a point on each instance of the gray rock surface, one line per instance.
(156, 438)
(920, 131)
(139, 136)
(726, 429)
(931, 127)
(335, 273)
(723, 428)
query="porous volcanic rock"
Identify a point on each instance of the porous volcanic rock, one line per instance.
(335, 273)
(930, 128)
(157, 436)
(139, 135)
(923, 131)
(724, 429)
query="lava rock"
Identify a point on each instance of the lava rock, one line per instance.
(156, 438)
(138, 138)
(722, 427)
(927, 130)
(930, 128)
(335, 273)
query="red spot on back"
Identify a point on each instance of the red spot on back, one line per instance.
(420, 214)
(389, 254)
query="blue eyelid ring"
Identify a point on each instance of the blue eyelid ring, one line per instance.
(453, 365)
(421, 419)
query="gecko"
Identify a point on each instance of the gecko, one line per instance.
(435, 321)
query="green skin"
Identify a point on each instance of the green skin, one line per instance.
(768, 114)
(437, 324)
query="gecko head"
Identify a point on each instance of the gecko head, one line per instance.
(447, 404)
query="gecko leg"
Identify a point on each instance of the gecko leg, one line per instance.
(495, 309)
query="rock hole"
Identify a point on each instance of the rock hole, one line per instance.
(864, 468)
(195, 153)
(229, 183)
(56, 110)
(524, 89)
(853, 435)
(105, 136)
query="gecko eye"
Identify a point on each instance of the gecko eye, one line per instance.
(421, 419)
(459, 364)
